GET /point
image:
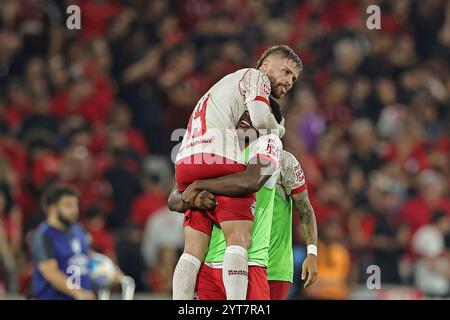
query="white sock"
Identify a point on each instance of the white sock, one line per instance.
(235, 272)
(185, 277)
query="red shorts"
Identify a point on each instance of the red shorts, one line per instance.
(228, 208)
(279, 289)
(210, 285)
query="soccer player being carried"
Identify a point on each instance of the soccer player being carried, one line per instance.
(210, 149)
(270, 254)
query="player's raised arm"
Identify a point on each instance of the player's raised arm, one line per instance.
(256, 89)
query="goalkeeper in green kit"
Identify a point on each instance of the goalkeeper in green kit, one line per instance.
(270, 271)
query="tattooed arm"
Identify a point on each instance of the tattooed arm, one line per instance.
(309, 229)
(307, 217)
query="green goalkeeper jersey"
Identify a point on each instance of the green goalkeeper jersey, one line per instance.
(258, 253)
(281, 265)
(273, 216)
(291, 181)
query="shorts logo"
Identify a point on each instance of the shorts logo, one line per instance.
(237, 273)
(253, 208)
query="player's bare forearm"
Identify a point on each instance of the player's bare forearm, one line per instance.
(236, 184)
(202, 200)
(309, 229)
(59, 280)
(175, 201)
(307, 217)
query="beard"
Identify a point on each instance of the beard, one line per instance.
(277, 92)
(66, 222)
(275, 88)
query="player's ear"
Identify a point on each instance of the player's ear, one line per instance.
(265, 66)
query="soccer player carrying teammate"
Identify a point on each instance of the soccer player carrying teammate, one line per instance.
(265, 148)
(271, 200)
(210, 149)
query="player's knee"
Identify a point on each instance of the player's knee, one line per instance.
(239, 239)
(246, 242)
(237, 233)
(195, 243)
(195, 251)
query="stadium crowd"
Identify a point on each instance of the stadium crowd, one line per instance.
(369, 120)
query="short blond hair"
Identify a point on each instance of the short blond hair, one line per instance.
(285, 51)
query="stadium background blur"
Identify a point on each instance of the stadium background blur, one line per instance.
(95, 108)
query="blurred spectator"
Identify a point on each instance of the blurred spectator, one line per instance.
(363, 153)
(77, 168)
(334, 266)
(160, 276)
(162, 229)
(88, 96)
(328, 203)
(146, 204)
(156, 184)
(125, 185)
(7, 258)
(309, 122)
(129, 257)
(121, 120)
(389, 239)
(432, 271)
(162, 243)
(102, 240)
(416, 212)
(17, 104)
(39, 123)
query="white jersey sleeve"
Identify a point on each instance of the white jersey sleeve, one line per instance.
(268, 147)
(255, 85)
(292, 177)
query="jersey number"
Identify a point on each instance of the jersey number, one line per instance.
(195, 127)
